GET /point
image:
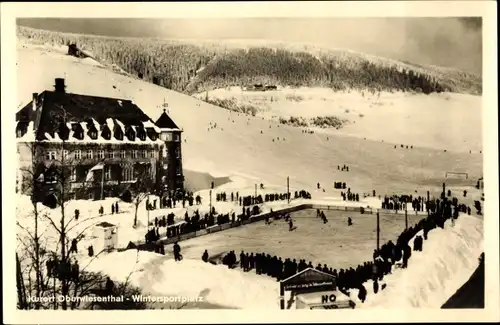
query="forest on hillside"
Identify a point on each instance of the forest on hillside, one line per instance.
(191, 68)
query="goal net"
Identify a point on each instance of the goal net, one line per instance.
(456, 175)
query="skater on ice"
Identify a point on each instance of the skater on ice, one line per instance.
(349, 221)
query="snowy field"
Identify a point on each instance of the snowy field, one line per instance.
(400, 118)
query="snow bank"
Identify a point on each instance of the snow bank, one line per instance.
(161, 275)
(227, 287)
(448, 260)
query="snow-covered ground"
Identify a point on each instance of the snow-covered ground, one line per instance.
(401, 118)
(237, 149)
(449, 258)
(243, 145)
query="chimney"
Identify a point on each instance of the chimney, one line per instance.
(59, 86)
(34, 102)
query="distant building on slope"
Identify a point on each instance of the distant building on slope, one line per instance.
(111, 138)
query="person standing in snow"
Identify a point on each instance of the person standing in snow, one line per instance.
(204, 257)
(177, 252)
(116, 207)
(110, 286)
(73, 246)
(290, 224)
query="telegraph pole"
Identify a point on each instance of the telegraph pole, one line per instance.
(427, 205)
(378, 231)
(210, 203)
(406, 217)
(288, 188)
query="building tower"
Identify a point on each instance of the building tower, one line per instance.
(171, 175)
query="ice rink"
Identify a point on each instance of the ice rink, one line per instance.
(334, 243)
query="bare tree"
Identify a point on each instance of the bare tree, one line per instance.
(142, 187)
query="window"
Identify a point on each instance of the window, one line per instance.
(100, 154)
(152, 154)
(89, 154)
(176, 137)
(178, 170)
(111, 154)
(66, 154)
(128, 174)
(107, 173)
(73, 175)
(164, 152)
(154, 136)
(50, 155)
(144, 153)
(134, 153)
(78, 154)
(93, 134)
(177, 152)
(123, 154)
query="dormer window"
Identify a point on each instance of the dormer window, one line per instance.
(118, 133)
(77, 131)
(153, 136)
(92, 133)
(130, 133)
(141, 134)
(21, 129)
(63, 131)
(106, 132)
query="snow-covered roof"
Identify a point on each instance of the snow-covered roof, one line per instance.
(88, 110)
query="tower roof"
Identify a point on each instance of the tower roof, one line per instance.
(165, 122)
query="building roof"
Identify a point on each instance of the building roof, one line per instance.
(52, 106)
(308, 278)
(165, 122)
(105, 224)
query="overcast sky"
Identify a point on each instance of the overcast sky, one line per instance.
(451, 42)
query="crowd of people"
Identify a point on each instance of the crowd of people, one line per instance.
(384, 259)
(401, 202)
(196, 222)
(259, 199)
(403, 146)
(115, 208)
(170, 201)
(349, 196)
(344, 168)
(62, 270)
(339, 185)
